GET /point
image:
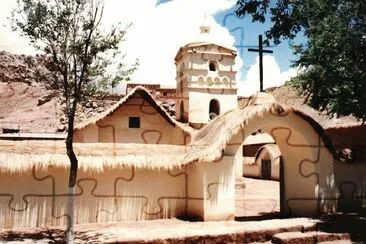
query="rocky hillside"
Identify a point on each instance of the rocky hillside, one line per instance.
(24, 68)
(26, 104)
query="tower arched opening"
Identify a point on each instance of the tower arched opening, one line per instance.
(214, 109)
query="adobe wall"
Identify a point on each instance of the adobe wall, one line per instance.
(211, 190)
(251, 171)
(154, 129)
(199, 103)
(308, 164)
(39, 198)
(254, 170)
(199, 68)
(350, 176)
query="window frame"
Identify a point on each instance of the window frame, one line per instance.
(134, 122)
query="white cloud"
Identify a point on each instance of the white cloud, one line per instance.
(155, 36)
(272, 76)
(11, 41)
(158, 32)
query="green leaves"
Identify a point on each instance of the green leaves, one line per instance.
(333, 60)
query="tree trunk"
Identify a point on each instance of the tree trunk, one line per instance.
(72, 183)
(70, 216)
(72, 176)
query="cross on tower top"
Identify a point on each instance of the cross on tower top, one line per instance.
(205, 27)
(260, 50)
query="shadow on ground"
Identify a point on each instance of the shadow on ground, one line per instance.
(49, 235)
(352, 223)
(259, 217)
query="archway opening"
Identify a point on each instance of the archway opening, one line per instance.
(258, 191)
(212, 66)
(306, 162)
(214, 109)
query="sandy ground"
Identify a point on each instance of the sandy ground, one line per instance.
(257, 198)
(170, 230)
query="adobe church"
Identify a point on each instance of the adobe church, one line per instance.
(136, 162)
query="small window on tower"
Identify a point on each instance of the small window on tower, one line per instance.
(212, 66)
(134, 122)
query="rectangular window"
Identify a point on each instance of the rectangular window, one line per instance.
(10, 131)
(134, 122)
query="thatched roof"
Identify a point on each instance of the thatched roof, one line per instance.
(207, 145)
(290, 96)
(261, 98)
(18, 156)
(147, 96)
(220, 131)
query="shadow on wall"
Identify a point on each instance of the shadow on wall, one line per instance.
(351, 182)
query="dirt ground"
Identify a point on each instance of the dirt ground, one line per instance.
(257, 197)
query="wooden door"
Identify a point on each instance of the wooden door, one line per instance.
(266, 169)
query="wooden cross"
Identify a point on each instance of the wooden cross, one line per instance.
(260, 50)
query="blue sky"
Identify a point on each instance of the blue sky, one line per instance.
(160, 27)
(246, 34)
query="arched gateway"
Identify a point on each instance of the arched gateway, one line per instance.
(308, 179)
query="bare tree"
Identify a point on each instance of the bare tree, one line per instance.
(70, 33)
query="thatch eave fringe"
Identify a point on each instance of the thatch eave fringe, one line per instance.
(146, 95)
(207, 145)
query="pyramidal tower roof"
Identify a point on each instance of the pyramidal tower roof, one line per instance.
(206, 35)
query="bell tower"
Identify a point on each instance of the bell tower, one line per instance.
(205, 77)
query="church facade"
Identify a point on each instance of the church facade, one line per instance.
(205, 81)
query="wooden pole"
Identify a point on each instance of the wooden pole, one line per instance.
(260, 63)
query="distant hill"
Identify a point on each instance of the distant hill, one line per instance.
(26, 104)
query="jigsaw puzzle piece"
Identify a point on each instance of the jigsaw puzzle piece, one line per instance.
(147, 195)
(302, 170)
(19, 204)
